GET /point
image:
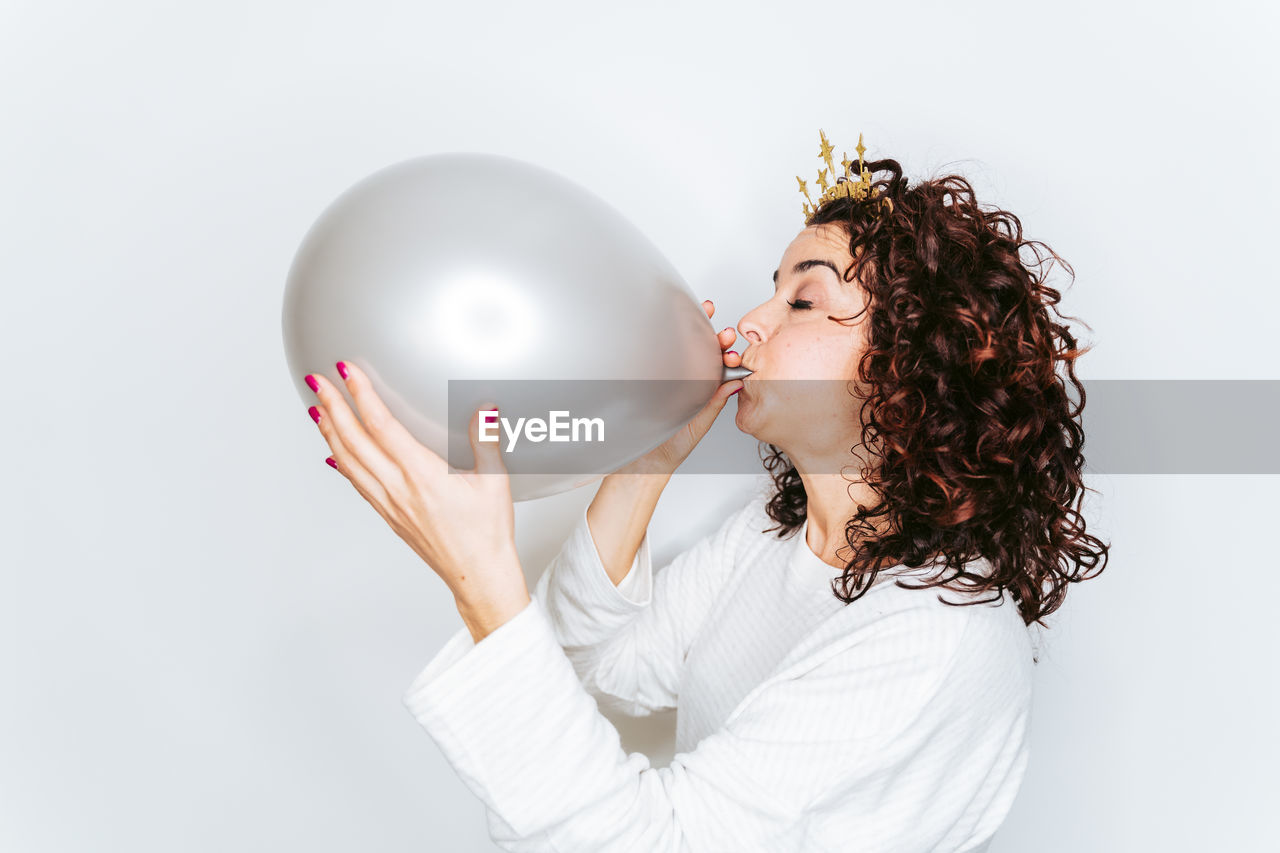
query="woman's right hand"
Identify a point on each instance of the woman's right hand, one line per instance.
(668, 456)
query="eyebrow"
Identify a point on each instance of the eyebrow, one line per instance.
(808, 264)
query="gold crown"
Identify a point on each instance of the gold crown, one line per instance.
(845, 186)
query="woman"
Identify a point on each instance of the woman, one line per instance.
(864, 685)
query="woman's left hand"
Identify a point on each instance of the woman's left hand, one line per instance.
(461, 523)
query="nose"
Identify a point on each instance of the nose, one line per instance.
(751, 328)
(740, 372)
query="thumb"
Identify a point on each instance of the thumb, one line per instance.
(706, 417)
(488, 453)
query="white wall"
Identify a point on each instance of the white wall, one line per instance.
(207, 631)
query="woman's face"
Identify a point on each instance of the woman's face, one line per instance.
(790, 339)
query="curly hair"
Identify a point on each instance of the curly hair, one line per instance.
(974, 445)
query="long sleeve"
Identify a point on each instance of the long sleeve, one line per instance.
(627, 643)
(879, 746)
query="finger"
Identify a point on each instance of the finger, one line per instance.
(727, 336)
(732, 359)
(385, 430)
(709, 307)
(488, 454)
(702, 421)
(352, 447)
(343, 461)
(368, 488)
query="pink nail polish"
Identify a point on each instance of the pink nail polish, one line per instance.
(315, 414)
(342, 369)
(732, 352)
(332, 464)
(312, 383)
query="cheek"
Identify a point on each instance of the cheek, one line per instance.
(831, 356)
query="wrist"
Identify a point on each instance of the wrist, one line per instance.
(483, 617)
(654, 472)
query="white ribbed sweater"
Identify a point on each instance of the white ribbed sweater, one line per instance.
(896, 723)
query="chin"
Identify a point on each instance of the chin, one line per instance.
(745, 419)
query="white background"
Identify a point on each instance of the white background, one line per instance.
(207, 631)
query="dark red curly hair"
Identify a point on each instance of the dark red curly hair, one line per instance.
(974, 444)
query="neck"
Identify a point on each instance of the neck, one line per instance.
(832, 500)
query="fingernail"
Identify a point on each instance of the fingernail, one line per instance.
(315, 414)
(732, 352)
(342, 369)
(312, 383)
(332, 464)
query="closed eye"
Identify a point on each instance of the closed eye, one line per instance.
(800, 304)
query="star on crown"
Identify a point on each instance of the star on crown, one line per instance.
(845, 185)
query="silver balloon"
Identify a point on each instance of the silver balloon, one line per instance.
(509, 280)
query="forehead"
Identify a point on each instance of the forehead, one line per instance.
(824, 242)
(819, 241)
